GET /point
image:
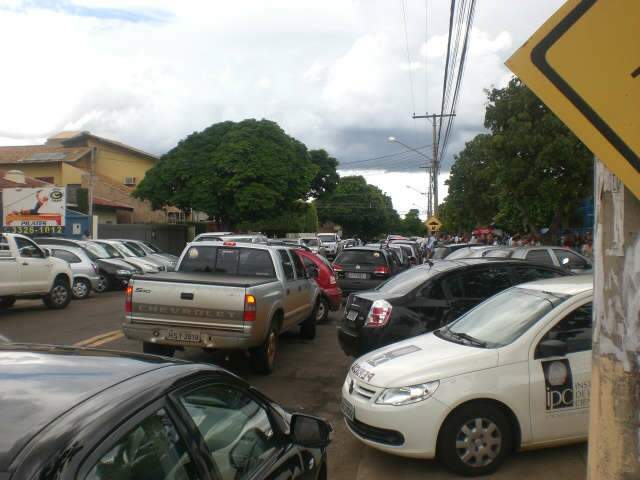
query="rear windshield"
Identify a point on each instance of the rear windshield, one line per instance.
(310, 242)
(232, 261)
(361, 257)
(406, 281)
(327, 238)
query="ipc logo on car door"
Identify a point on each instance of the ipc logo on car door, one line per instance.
(559, 384)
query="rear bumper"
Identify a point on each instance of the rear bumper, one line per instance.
(356, 344)
(334, 296)
(349, 285)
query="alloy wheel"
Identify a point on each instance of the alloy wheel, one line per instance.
(478, 442)
(59, 294)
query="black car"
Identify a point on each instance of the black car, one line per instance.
(427, 297)
(364, 268)
(69, 413)
(114, 272)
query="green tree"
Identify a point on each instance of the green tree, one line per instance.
(234, 172)
(412, 225)
(361, 209)
(301, 217)
(326, 177)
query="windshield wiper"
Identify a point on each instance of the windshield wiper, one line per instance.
(469, 339)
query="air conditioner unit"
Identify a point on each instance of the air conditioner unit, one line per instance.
(129, 180)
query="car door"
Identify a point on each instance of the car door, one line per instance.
(431, 304)
(34, 267)
(9, 273)
(472, 286)
(302, 285)
(240, 434)
(291, 299)
(559, 387)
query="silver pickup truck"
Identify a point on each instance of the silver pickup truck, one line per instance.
(223, 296)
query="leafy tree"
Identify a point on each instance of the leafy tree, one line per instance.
(327, 177)
(412, 225)
(301, 217)
(361, 209)
(234, 172)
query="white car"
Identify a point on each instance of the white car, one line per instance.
(513, 373)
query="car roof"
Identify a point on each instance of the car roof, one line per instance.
(78, 250)
(569, 285)
(39, 383)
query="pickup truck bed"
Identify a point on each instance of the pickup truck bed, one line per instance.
(219, 279)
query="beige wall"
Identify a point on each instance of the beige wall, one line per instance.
(117, 163)
(71, 174)
(39, 170)
(106, 216)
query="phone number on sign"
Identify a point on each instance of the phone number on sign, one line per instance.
(32, 230)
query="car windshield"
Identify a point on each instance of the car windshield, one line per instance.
(136, 249)
(361, 257)
(103, 250)
(327, 238)
(152, 247)
(406, 281)
(310, 242)
(122, 248)
(503, 318)
(233, 261)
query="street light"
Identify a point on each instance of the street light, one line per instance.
(416, 190)
(395, 140)
(428, 169)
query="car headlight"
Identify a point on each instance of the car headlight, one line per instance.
(123, 272)
(407, 395)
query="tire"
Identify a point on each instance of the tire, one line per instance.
(59, 296)
(81, 289)
(475, 439)
(157, 349)
(263, 358)
(7, 302)
(308, 327)
(322, 311)
(104, 283)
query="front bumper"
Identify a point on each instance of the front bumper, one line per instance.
(384, 426)
(210, 338)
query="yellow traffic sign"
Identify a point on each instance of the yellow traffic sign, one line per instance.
(433, 224)
(584, 64)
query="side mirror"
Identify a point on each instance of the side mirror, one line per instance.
(565, 263)
(46, 252)
(551, 348)
(310, 432)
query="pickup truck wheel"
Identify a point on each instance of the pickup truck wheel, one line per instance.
(81, 289)
(322, 312)
(7, 302)
(263, 358)
(308, 327)
(59, 296)
(157, 349)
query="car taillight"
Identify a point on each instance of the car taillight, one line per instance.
(337, 267)
(382, 270)
(378, 314)
(249, 308)
(332, 280)
(128, 299)
(229, 244)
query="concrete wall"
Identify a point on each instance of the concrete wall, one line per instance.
(170, 238)
(36, 170)
(117, 163)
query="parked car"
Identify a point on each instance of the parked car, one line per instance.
(27, 271)
(162, 264)
(104, 415)
(555, 256)
(363, 268)
(514, 372)
(415, 257)
(400, 255)
(481, 251)
(249, 238)
(319, 268)
(128, 256)
(310, 243)
(113, 271)
(151, 251)
(428, 297)
(226, 296)
(442, 251)
(85, 272)
(331, 243)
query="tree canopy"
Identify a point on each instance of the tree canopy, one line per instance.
(530, 171)
(326, 177)
(411, 224)
(361, 209)
(244, 171)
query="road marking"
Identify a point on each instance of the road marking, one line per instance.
(101, 339)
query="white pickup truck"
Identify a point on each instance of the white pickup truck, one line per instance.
(26, 271)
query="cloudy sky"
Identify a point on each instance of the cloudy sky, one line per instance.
(332, 73)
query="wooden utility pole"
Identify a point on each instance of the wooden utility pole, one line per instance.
(614, 428)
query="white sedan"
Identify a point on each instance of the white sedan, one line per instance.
(513, 373)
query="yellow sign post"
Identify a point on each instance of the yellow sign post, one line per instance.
(584, 64)
(433, 224)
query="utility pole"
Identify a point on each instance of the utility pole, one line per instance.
(435, 161)
(614, 428)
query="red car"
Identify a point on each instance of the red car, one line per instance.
(331, 297)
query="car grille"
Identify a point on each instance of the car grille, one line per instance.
(361, 391)
(375, 434)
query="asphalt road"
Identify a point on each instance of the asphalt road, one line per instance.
(308, 377)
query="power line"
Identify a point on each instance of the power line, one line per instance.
(446, 64)
(384, 156)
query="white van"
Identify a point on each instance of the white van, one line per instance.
(513, 373)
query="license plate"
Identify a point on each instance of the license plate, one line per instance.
(352, 315)
(183, 336)
(348, 410)
(360, 276)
